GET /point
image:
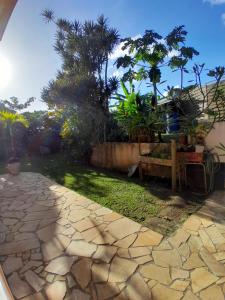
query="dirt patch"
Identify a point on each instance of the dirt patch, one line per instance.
(173, 213)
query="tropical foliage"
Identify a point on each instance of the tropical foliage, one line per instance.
(12, 131)
(152, 52)
(136, 114)
(82, 88)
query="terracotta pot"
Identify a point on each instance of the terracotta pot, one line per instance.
(183, 140)
(13, 168)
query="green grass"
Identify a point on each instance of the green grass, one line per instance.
(140, 201)
(109, 189)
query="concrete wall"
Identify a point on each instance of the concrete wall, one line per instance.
(120, 156)
(216, 136)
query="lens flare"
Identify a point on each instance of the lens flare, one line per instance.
(5, 72)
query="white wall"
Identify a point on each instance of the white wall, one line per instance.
(216, 136)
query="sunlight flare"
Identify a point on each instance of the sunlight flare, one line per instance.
(5, 72)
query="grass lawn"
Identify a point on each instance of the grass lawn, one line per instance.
(147, 203)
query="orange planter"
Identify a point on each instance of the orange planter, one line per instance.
(191, 156)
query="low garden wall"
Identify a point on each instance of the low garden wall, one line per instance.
(119, 156)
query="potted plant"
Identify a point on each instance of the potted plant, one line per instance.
(13, 165)
(8, 121)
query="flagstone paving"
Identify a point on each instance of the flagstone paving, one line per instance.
(56, 244)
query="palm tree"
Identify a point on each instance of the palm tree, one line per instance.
(8, 120)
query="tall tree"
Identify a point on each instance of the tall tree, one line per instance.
(85, 49)
(149, 53)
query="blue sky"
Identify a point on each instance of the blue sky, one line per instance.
(32, 62)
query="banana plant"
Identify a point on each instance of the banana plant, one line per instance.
(135, 113)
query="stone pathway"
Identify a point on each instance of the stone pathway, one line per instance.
(56, 244)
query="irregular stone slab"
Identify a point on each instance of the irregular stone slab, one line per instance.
(47, 221)
(31, 264)
(45, 234)
(36, 256)
(207, 241)
(37, 296)
(123, 253)
(9, 222)
(195, 243)
(100, 272)
(128, 226)
(81, 248)
(103, 211)
(56, 291)
(157, 273)
(52, 249)
(180, 237)
(121, 269)
(105, 253)
(219, 256)
(84, 224)
(190, 296)
(36, 207)
(93, 233)
(34, 280)
(221, 280)
(127, 241)
(161, 292)
(18, 287)
(60, 265)
(167, 258)
(143, 259)
(70, 281)
(104, 238)
(192, 223)
(24, 236)
(69, 231)
(200, 279)
(139, 251)
(180, 285)
(19, 246)
(164, 245)
(63, 240)
(79, 295)
(82, 272)
(41, 215)
(221, 247)
(179, 273)
(215, 236)
(50, 278)
(121, 296)
(29, 226)
(81, 200)
(206, 221)
(184, 250)
(212, 292)
(220, 227)
(12, 264)
(78, 214)
(3, 228)
(107, 290)
(148, 238)
(112, 217)
(193, 262)
(214, 266)
(137, 288)
(94, 206)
